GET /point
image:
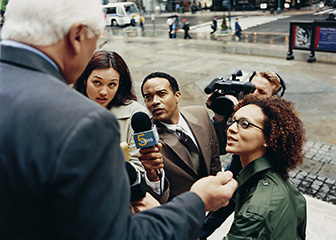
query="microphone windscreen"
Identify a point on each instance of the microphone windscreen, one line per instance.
(132, 174)
(141, 122)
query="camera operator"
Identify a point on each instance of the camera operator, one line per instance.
(263, 85)
(266, 84)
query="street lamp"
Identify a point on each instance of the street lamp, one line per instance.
(279, 7)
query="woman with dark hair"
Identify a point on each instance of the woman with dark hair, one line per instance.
(268, 136)
(107, 81)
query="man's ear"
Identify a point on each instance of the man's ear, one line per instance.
(178, 96)
(75, 37)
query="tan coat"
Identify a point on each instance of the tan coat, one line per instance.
(124, 115)
(178, 164)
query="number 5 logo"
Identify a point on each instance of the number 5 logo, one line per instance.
(142, 141)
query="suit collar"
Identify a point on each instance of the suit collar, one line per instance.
(28, 59)
(171, 140)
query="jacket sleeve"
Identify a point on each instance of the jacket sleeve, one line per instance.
(90, 191)
(220, 128)
(215, 165)
(249, 226)
(162, 199)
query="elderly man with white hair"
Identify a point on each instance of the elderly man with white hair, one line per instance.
(62, 172)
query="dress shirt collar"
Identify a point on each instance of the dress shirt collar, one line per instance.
(185, 128)
(182, 123)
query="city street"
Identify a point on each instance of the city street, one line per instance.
(250, 21)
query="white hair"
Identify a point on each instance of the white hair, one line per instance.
(45, 22)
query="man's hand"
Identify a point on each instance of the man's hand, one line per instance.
(151, 159)
(208, 102)
(145, 203)
(215, 191)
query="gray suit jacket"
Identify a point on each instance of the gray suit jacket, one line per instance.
(62, 174)
(178, 164)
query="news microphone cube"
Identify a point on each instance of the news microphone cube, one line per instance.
(146, 139)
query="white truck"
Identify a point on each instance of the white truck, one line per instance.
(120, 14)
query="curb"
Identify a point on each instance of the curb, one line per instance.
(278, 51)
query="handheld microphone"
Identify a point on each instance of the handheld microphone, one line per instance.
(145, 133)
(137, 183)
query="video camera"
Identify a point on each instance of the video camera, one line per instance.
(220, 104)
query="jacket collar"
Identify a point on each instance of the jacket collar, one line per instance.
(259, 165)
(28, 59)
(170, 139)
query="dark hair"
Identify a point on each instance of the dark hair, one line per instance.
(107, 59)
(172, 81)
(283, 131)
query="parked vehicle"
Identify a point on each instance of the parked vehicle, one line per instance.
(120, 14)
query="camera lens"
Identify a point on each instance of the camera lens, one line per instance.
(222, 106)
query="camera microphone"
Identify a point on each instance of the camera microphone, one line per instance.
(211, 87)
(229, 85)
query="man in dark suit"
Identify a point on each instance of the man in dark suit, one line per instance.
(214, 24)
(62, 172)
(183, 164)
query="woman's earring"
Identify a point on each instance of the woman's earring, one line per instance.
(265, 145)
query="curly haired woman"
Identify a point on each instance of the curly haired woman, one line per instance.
(268, 136)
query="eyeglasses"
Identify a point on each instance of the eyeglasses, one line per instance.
(243, 123)
(92, 32)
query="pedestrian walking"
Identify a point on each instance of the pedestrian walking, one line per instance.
(177, 8)
(142, 23)
(186, 28)
(133, 23)
(237, 30)
(174, 29)
(193, 8)
(321, 6)
(170, 21)
(214, 25)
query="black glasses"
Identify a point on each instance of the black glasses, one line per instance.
(243, 123)
(92, 32)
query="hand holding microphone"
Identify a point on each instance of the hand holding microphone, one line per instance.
(146, 139)
(151, 159)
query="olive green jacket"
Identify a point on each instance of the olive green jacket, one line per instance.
(267, 207)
